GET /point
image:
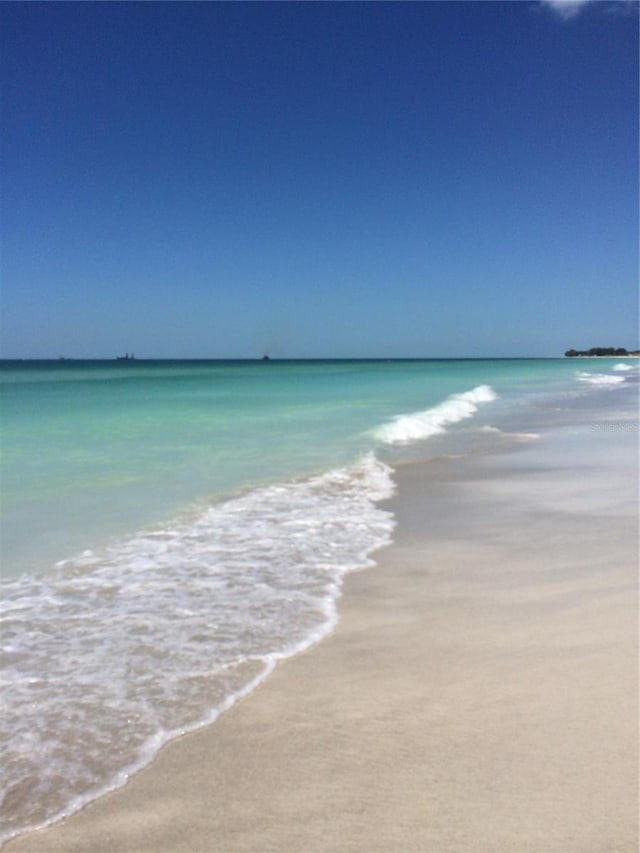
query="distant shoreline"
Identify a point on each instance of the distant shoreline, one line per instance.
(602, 352)
(143, 361)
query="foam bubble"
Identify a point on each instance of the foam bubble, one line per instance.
(420, 425)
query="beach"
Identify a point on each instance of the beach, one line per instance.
(478, 694)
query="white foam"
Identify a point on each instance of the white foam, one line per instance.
(420, 425)
(117, 652)
(622, 367)
(600, 378)
(518, 436)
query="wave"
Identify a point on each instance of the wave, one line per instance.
(622, 367)
(600, 378)
(420, 425)
(117, 652)
(517, 436)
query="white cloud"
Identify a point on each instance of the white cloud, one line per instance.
(566, 8)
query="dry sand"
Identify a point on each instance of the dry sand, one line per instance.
(478, 695)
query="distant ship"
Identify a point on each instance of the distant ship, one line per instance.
(126, 357)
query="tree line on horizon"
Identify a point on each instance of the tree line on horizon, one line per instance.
(611, 351)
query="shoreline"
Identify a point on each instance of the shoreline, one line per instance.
(478, 693)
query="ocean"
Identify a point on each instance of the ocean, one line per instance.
(172, 529)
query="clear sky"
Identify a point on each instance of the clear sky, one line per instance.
(319, 179)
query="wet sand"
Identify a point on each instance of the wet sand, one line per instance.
(479, 694)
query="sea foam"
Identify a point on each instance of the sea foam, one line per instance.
(121, 650)
(420, 425)
(600, 378)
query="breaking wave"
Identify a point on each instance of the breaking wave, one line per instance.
(420, 425)
(600, 378)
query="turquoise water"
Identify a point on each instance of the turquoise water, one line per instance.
(170, 530)
(93, 450)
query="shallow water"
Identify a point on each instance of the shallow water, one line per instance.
(171, 530)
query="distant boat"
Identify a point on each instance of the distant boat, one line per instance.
(126, 357)
(265, 357)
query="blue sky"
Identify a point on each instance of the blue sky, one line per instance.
(396, 179)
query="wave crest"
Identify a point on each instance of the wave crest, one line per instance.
(420, 425)
(600, 378)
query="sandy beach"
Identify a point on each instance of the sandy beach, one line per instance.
(479, 694)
